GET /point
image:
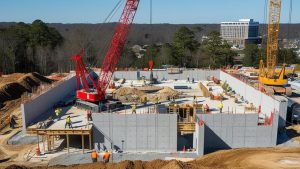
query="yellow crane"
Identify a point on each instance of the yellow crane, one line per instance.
(272, 82)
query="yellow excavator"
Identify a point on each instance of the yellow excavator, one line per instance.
(271, 82)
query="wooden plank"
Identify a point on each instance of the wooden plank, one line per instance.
(90, 140)
(82, 143)
(53, 142)
(43, 137)
(63, 132)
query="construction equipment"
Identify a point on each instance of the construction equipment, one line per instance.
(151, 64)
(271, 82)
(81, 74)
(112, 56)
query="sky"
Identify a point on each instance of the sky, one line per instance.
(164, 11)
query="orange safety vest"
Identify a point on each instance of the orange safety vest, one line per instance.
(106, 156)
(94, 154)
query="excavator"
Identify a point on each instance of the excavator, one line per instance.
(270, 82)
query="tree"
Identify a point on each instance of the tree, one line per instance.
(216, 52)
(288, 56)
(30, 47)
(251, 55)
(184, 44)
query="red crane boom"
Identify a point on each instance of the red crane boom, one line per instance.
(116, 47)
(114, 52)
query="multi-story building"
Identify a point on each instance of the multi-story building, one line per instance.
(241, 33)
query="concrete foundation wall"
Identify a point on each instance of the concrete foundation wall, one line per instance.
(225, 131)
(278, 104)
(43, 103)
(135, 133)
(196, 74)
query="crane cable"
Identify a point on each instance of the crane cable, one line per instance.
(264, 30)
(288, 27)
(107, 20)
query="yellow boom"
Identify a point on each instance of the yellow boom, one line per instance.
(268, 76)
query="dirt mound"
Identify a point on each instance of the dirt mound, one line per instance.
(169, 91)
(127, 94)
(164, 94)
(16, 167)
(174, 165)
(26, 83)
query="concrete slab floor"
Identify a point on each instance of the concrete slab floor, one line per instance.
(78, 118)
(77, 158)
(229, 106)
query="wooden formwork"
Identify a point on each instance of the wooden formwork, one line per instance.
(49, 136)
(186, 114)
(205, 91)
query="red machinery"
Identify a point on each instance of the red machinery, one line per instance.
(112, 56)
(151, 64)
(81, 74)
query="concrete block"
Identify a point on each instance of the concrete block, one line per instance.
(239, 120)
(250, 141)
(217, 118)
(252, 120)
(238, 142)
(238, 131)
(250, 131)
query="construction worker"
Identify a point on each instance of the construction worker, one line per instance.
(89, 115)
(156, 100)
(94, 156)
(133, 107)
(12, 121)
(58, 112)
(206, 108)
(195, 99)
(144, 100)
(106, 156)
(221, 106)
(68, 122)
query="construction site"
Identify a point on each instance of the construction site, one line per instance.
(230, 117)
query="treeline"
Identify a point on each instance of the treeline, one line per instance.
(47, 48)
(29, 48)
(187, 51)
(253, 55)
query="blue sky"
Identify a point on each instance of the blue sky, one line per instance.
(164, 11)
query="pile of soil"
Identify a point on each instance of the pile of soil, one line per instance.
(127, 94)
(169, 91)
(246, 158)
(149, 89)
(11, 90)
(165, 94)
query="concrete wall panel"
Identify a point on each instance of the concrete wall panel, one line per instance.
(147, 132)
(241, 131)
(277, 104)
(196, 74)
(34, 109)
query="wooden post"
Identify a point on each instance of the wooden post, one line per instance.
(90, 140)
(44, 143)
(68, 143)
(82, 141)
(38, 140)
(48, 143)
(53, 141)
